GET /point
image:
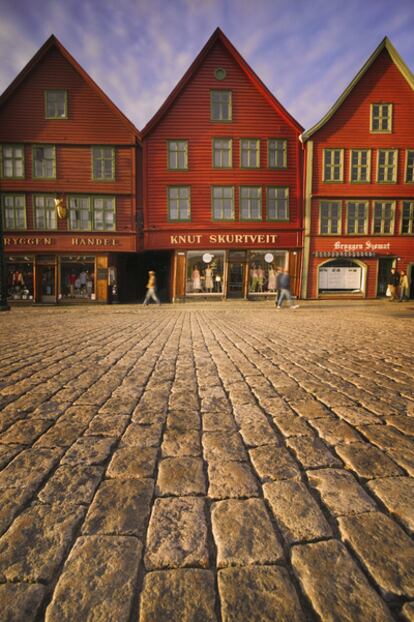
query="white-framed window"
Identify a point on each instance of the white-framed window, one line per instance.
(277, 203)
(56, 104)
(44, 161)
(222, 198)
(45, 212)
(333, 165)
(383, 217)
(330, 213)
(12, 161)
(407, 217)
(80, 214)
(103, 163)
(381, 118)
(177, 155)
(409, 166)
(14, 211)
(222, 153)
(277, 153)
(387, 166)
(360, 166)
(179, 203)
(249, 152)
(104, 213)
(356, 217)
(221, 105)
(250, 203)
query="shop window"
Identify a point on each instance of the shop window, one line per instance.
(12, 161)
(205, 272)
(103, 163)
(409, 172)
(44, 162)
(14, 211)
(407, 220)
(381, 118)
(221, 106)
(330, 217)
(223, 202)
(278, 203)
(77, 278)
(250, 203)
(341, 276)
(103, 213)
(333, 165)
(45, 212)
(387, 166)
(222, 153)
(263, 268)
(250, 153)
(277, 153)
(20, 278)
(56, 104)
(356, 217)
(383, 221)
(360, 163)
(179, 207)
(80, 215)
(178, 154)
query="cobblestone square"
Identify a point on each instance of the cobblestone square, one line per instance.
(220, 462)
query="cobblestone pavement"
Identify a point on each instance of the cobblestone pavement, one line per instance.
(207, 462)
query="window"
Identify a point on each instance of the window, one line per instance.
(44, 161)
(277, 153)
(103, 163)
(278, 203)
(250, 153)
(333, 160)
(56, 105)
(14, 211)
(205, 272)
(223, 202)
(330, 217)
(12, 161)
(222, 153)
(409, 172)
(178, 154)
(360, 163)
(80, 217)
(103, 213)
(381, 118)
(250, 203)
(383, 221)
(387, 166)
(221, 109)
(45, 212)
(356, 217)
(407, 221)
(179, 203)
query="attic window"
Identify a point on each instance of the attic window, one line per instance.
(220, 73)
(56, 104)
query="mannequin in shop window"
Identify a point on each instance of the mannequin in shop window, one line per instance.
(254, 278)
(82, 279)
(208, 275)
(260, 278)
(72, 280)
(271, 284)
(196, 278)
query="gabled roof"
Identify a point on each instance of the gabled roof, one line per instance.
(53, 42)
(398, 62)
(218, 35)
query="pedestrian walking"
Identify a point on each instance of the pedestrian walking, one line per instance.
(283, 287)
(404, 287)
(151, 289)
(393, 284)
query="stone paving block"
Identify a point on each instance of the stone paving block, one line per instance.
(258, 594)
(20, 602)
(335, 586)
(384, 549)
(8, 418)
(120, 507)
(91, 450)
(63, 434)
(231, 480)
(25, 431)
(398, 446)
(257, 432)
(341, 492)
(181, 595)
(35, 544)
(181, 477)
(292, 425)
(397, 494)
(273, 463)
(73, 485)
(8, 452)
(145, 415)
(311, 452)
(297, 514)
(186, 419)
(29, 467)
(214, 400)
(367, 461)
(98, 580)
(244, 534)
(408, 612)
(223, 446)
(403, 423)
(310, 409)
(177, 534)
(107, 425)
(137, 435)
(214, 422)
(177, 443)
(132, 462)
(13, 501)
(335, 431)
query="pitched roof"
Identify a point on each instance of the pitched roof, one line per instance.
(53, 42)
(218, 35)
(397, 60)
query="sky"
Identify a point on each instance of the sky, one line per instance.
(305, 51)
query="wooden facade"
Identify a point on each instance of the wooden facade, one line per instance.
(54, 110)
(359, 184)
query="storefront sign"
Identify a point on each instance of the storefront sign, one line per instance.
(70, 242)
(13, 241)
(366, 245)
(244, 239)
(268, 258)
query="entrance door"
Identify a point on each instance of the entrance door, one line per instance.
(410, 273)
(47, 283)
(235, 279)
(384, 268)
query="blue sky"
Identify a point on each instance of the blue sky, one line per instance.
(305, 51)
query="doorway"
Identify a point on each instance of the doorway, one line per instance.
(410, 273)
(46, 283)
(384, 269)
(235, 279)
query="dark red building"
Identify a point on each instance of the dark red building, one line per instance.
(359, 184)
(68, 180)
(222, 182)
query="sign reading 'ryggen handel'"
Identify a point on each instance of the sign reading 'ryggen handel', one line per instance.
(70, 242)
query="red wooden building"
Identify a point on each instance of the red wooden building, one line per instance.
(222, 182)
(359, 184)
(68, 182)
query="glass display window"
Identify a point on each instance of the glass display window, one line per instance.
(77, 278)
(263, 267)
(205, 272)
(20, 278)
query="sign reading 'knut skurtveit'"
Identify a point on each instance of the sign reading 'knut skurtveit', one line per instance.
(244, 239)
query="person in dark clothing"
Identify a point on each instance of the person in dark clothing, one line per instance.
(283, 287)
(393, 284)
